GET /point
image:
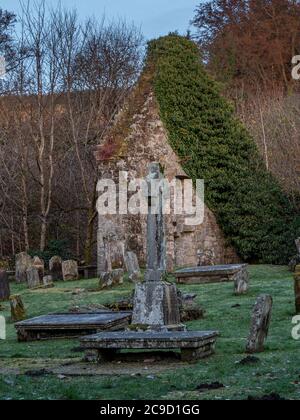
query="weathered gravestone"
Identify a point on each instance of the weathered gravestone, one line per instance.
(4, 286)
(108, 276)
(18, 312)
(111, 278)
(104, 256)
(70, 270)
(189, 309)
(132, 266)
(241, 282)
(206, 257)
(55, 267)
(297, 289)
(23, 262)
(47, 282)
(260, 323)
(33, 278)
(39, 264)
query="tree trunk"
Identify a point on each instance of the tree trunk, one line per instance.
(26, 235)
(241, 282)
(43, 235)
(92, 214)
(88, 251)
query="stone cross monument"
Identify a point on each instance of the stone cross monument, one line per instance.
(155, 301)
(156, 243)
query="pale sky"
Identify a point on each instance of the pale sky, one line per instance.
(155, 17)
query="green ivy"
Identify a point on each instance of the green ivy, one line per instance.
(256, 216)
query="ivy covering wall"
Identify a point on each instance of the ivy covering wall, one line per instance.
(251, 208)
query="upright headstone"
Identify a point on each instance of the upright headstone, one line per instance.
(297, 289)
(155, 301)
(241, 282)
(116, 251)
(260, 323)
(18, 312)
(70, 270)
(39, 264)
(132, 266)
(111, 278)
(48, 282)
(104, 258)
(33, 278)
(23, 262)
(206, 257)
(4, 286)
(55, 267)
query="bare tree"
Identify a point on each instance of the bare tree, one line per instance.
(68, 82)
(100, 67)
(273, 120)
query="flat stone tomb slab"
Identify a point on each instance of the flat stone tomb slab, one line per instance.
(71, 325)
(209, 274)
(105, 346)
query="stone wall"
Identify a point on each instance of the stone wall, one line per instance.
(147, 142)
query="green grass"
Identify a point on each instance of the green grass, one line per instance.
(278, 370)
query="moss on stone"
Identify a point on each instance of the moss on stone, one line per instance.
(18, 312)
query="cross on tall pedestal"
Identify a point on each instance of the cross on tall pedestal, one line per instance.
(155, 302)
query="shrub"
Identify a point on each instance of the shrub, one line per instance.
(55, 247)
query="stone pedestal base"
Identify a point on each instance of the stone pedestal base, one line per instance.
(156, 306)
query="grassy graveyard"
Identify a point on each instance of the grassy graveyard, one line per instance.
(38, 370)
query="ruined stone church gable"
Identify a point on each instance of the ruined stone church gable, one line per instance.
(147, 141)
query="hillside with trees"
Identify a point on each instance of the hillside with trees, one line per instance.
(248, 47)
(67, 80)
(65, 84)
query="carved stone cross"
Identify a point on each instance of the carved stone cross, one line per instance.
(156, 243)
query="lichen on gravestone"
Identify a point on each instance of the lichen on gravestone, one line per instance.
(260, 323)
(18, 312)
